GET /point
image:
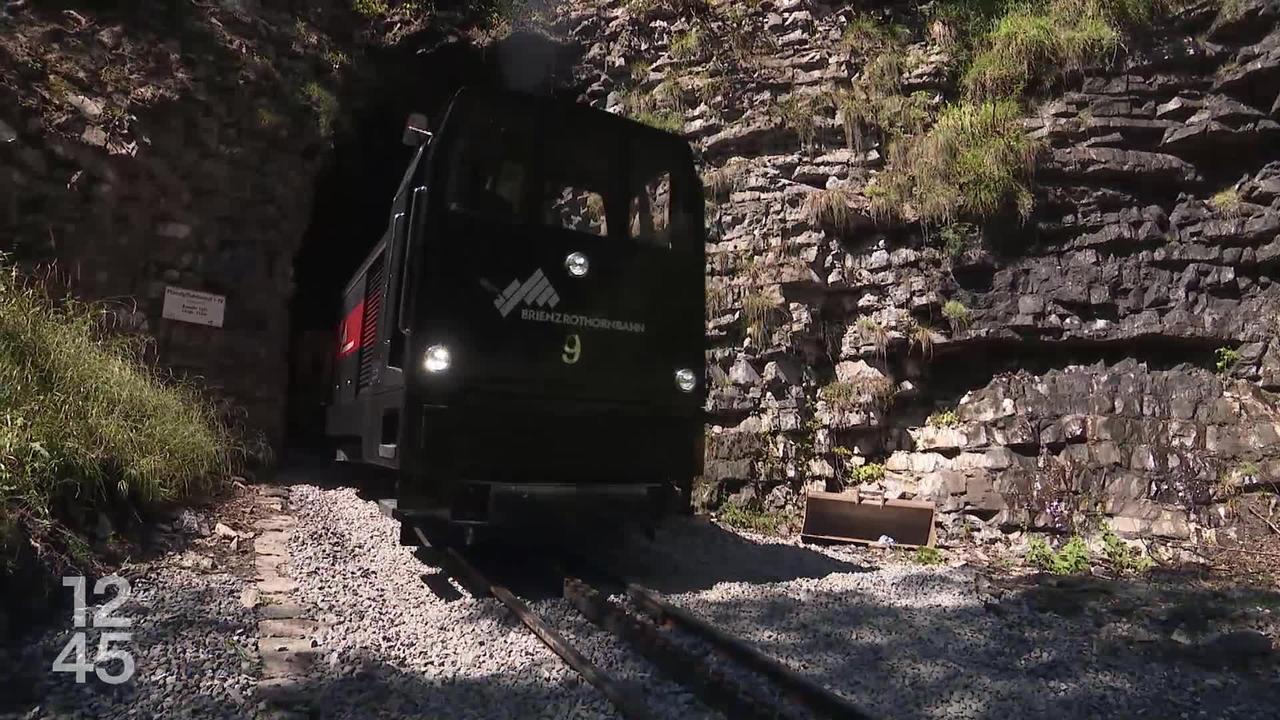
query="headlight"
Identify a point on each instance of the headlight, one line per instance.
(576, 264)
(686, 380)
(436, 359)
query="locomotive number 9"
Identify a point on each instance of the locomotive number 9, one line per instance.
(572, 349)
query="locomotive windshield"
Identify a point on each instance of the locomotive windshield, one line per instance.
(571, 172)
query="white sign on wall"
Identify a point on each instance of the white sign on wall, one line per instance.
(193, 306)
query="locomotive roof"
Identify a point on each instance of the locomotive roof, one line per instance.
(577, 112)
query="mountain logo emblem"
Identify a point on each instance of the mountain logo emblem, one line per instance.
(536, 290)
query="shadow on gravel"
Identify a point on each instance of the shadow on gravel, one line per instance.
(686, 555)
(947, 644)
(368, 687)
(693, 554)
(182, 650)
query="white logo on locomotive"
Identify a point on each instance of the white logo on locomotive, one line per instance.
(536, 290)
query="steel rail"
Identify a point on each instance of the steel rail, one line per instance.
(628, 706)
(711, 685)
(799, 687)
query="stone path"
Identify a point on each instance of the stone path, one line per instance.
(286, 637)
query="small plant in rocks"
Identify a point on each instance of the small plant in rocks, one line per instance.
(957, 238)
(668, 120)
(1225, 359)
(869, 473)
(1226, 202)
(830, 209)
(943, 419)
(685, 45)
(927, 556)
(371, 8)
(957, 314)
(921, 335)
(849, 395)
(761, 315)
(718, 299)
(876, 333)
(764, 522)
(1072, 558)
(1123, 558)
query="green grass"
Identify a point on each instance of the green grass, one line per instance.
(325, 105)
(974, 162)
(718, 299)
(761, 313)
(921, 335)
(862, 393)
(84, 421)
(957, 238)
(670, 93)
(796, 112)
(1230, 9)
(895, 115)
(1074, 556)
(686, 45)
(1226, 202)
(720, 183)
(668, 120)
(372, 9)
(866, 35)
(640, 7)
(1035, 42)
(757, 521)
(875, 333)
(830, 209)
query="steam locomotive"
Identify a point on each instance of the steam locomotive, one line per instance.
(524, 345)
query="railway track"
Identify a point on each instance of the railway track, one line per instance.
(685, 648)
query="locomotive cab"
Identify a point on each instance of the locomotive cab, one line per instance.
(524, 345)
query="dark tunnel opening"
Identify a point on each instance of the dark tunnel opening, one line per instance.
(354, 189)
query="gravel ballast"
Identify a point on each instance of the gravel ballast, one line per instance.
(193, 645)
(393, 645)
(908, 641)
(901, 640)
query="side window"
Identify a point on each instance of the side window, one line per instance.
(650, 212)
(493, 190)
(488, 166)
(576, 209)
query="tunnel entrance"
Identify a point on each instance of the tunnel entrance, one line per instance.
(354, 189)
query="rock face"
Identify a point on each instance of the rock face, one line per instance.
(1115, 352)
(170, 149)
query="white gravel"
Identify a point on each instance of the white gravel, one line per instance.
(194, 648)
(393, 648)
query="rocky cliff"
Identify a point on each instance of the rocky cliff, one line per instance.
(1113, 351)
(148, 147)
(154, 143)
(1071, 314)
